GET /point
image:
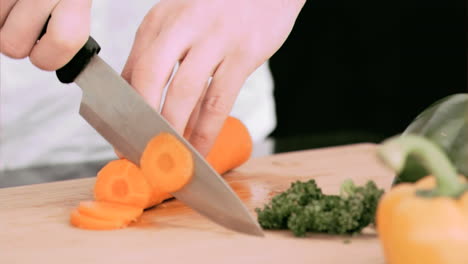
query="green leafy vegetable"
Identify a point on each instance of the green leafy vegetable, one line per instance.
(304, 208)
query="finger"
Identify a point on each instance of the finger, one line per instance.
(147, 32)
(217, 103)
(189, 82)
(151, 71)
(145, 35)
(194, 116)
(67, 32)
(5, 8)
(23, 26)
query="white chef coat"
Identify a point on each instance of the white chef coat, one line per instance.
(39, 120)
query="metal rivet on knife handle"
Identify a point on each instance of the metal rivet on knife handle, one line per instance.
(73, 68)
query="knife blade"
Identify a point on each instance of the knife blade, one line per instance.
(127, 122)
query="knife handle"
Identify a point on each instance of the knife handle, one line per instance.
(73, 68)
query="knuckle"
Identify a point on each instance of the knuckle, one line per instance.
(184, 88)
(150, 20)
(200, 138)
(140, 32)
(42, 64)
(69, 42)
(153, 16)
(13, 48)
(215, 105)
(248, 52)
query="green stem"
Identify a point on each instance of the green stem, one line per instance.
(347, 188)
(394, 151)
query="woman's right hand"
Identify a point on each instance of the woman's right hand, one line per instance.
(21, 22)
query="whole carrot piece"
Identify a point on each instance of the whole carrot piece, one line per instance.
(232, 147)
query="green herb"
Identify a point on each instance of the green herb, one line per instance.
(304, 208)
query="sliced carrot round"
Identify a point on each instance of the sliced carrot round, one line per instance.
(87, 222)
(121, 181)
(167, 163)
(109, 211)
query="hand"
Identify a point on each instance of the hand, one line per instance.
(21, 23)
(225, 40)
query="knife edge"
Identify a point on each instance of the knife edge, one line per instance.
(129, 115)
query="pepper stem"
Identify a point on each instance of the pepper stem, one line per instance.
(394, 151)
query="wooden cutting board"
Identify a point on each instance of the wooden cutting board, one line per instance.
(34, 225)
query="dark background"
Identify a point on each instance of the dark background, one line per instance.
(354, 71)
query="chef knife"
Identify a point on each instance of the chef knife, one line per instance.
(127, 122)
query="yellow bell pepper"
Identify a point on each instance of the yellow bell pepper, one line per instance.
(425, 222)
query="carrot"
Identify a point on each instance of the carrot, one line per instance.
(87, 222)
(109, 211)
(121, 181)
(158, 197)
(232, 147)
(167, 163)
(123, 190)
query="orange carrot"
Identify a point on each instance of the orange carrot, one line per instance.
(122, 189)
(109, 211)
(167, 163)
(232, 147)
(158, 197)
(86, 222)
(121, 181)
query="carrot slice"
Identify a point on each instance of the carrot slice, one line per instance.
(109, 211)
(122, 189)
(86, 222)
(121, 181)
(167, 163)
(232, 147)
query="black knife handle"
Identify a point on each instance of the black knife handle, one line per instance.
(73, 68)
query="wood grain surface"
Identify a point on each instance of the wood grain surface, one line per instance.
(34, 225)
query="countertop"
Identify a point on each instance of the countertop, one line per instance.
(35, 219)
(59, 172)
